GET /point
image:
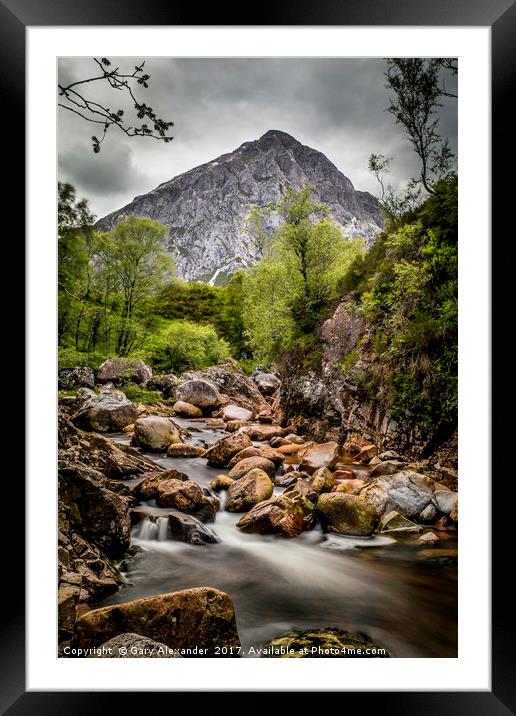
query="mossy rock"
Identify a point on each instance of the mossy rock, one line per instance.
(322, 643)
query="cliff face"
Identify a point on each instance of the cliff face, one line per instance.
(329, 402)
(206, 208)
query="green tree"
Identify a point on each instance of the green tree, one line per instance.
(133, 264)
(182, 345)
(286, 293)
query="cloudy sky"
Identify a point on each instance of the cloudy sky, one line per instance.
(336, 106)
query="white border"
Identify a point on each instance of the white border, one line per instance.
(471, 670)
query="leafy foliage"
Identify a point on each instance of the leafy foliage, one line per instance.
(181, 345)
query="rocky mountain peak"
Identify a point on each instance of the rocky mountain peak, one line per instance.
(206, 208)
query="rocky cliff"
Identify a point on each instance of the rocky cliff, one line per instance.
(206, 208)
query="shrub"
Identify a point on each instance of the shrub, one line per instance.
(70, 358)
(182, 345)
(141, 395)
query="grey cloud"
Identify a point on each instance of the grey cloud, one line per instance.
(336, 105)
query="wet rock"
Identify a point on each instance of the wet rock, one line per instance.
(286, 480)
(272, 455)
(264, 432)
(243, 454)
(322, 480)
(322, 455)
(187, 409)
(428, 514)
(186, 496)
(346, 514)
(231, 382)
(246, 492)
(366, 453)
(345, 474)
(234, 412)
(374, 461)
(428, 538)
(294, 439)
(233, 425)
(108, 412)
(250, 463)
(267, 383)
(322, 643)
(289, 449)
(200, 393)
(120, 370)
(221, 482)
(95, 511)
(389, 455)
(387, 467)
(202, 617)
(278, 442)
(394, 522)
(79, 377)
(222, 451)
(134, 646)
(349, 486)
(155, 433)
(186, 528)
(184, 450)
(148, 488)
(287, 515)
(405, 492)
(446, 501)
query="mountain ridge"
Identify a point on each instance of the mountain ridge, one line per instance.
(205, 208)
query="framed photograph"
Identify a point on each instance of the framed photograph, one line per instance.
(259, 321)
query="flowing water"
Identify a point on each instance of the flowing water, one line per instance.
(378, 585)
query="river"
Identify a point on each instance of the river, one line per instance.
(378, 585)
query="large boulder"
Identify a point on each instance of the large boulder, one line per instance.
(95, 511)
(201, 393)
(186, 528)
(222, 451)
(196, 619)
(231, 382)
(406, 492)
(134, 646)
(234, 412)
(267, 383)
(186, 496)
(346, 514)
(147, 489)
(155, 433)
(187, 409)
(121, 370)
(252, 463)
(317, 456)
(79, 377)
(243, 454)
(446, 501)
(243, 494)
(110, 411)
(322, 643)
(287, 515)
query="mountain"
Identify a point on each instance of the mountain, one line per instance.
(206, 208)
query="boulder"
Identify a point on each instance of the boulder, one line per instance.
(243, 454)
(428, 538)
(267, 383)
(322, 643)
(295, 439)
(121, 370)
(428, 514)
(234, 412)
(184, 450)
(147, 489)
(345, 474)
(366, 453)
(95, 511)
(289, 449)
(394, 522)
(233, 425)
(155, 433)
(446, 501)
(250, 463)
(406, 492)
(346, 514)
(374, 461)
(187, 409)
(264, 432)
(189, 620)
(221, 482)
(322, 480)
(248, 491)
(389, 455)
(201, 393)
(387, 467)
(186, 528)
(286, 480)
(320, 455)
(278, 442)
(110, 411)
(67, 601)
(134, 646)
(231, 382)
(186, 496)
(349, 486)
(222, 451)
(287, 515)
(79, 377)
(272, 455)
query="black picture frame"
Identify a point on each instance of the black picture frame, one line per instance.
(500, 16)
